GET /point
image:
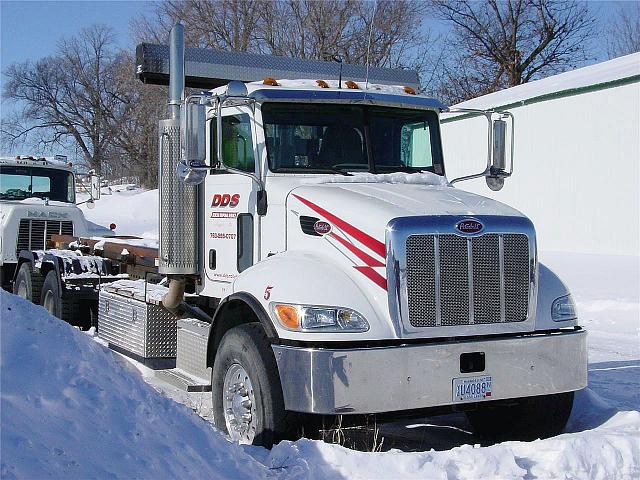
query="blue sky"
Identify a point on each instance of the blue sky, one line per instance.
(30, 30)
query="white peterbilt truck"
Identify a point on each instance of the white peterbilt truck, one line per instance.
(321, 263)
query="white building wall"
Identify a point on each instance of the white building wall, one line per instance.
(576, 172)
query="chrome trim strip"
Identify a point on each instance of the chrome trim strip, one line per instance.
(470, 280)
(397, 232)
(503, 315)
(436, 257)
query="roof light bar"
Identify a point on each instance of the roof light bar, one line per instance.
(206, 68)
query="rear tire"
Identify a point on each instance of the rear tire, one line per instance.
(246, 391)
(28, 284)
(51, 298)
(531, 418)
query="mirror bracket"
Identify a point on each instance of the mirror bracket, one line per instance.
(495, 175)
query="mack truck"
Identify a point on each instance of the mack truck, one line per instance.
(38, 200)
(314, 260)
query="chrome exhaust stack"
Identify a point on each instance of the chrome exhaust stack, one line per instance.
(178, 252)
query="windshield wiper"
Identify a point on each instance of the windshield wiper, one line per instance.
(400, 168)
(341, 171)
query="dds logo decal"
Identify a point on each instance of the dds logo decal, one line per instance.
(225, 200)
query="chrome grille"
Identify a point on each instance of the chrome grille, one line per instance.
(421, 256)
(454, 280)
(516, 274)
(34, 234)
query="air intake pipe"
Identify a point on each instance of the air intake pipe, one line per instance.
(178, 252)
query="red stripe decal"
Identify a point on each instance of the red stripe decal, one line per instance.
(374, 276)
(375, 245)
(365, 257)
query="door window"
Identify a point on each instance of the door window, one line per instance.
(237, 143)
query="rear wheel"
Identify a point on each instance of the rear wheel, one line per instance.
(51, 299)
(246, 392)
(28, 284)
(527, 419)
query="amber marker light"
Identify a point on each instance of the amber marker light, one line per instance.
(270, 81)
(287, 315)
(351, 84)
(322, 84)
(409, 90)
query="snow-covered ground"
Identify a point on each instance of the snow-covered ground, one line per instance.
(133, 210)
(72, 408)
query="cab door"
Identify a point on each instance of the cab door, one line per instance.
(231, 223)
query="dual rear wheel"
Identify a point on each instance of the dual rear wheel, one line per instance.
(47, 291)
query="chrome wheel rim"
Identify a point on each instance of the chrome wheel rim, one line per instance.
(49, 302)
(22, 290)
(239, 405)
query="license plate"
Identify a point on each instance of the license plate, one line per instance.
(471, 388)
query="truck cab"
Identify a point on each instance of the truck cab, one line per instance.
(327, 218)
(37, 200)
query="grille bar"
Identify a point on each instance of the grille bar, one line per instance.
(34, 234)
(454, 280)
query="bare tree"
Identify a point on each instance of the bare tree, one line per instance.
(498, 44)
(624, 32)
(134, 123)
(66, 96)
(300, 28)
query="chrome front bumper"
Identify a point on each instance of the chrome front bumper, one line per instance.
(386, 379)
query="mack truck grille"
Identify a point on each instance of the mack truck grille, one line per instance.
(34, 234)
(454, 280)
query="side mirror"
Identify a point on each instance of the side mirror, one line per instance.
(95, 187)
(499, 154)
(497, 171)
(236, 88)
(192, 132)
(192, 168)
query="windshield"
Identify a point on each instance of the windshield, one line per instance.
(18, 183)
(318, 138)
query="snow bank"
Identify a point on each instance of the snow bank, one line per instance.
(135, 212)
(72, 409)
(609, 452)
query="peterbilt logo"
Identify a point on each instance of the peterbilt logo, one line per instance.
(321, 228)
(46, 214)
(469, 226)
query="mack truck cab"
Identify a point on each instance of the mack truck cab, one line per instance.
(344, 273)
(37, 201)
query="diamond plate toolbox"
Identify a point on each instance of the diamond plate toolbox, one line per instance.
(143, 329)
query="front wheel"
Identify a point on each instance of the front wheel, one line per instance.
(526, 419)
(28, 284)
(246, 392)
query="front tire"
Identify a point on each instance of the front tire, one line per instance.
(247, 395)
(527, 419)
(28, 284)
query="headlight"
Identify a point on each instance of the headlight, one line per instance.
(563, 308)
(311, 318)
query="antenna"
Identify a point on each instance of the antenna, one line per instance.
(339, 60)
(373, 18)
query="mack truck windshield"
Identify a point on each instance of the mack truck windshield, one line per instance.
(20, 182)
(315, 261)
